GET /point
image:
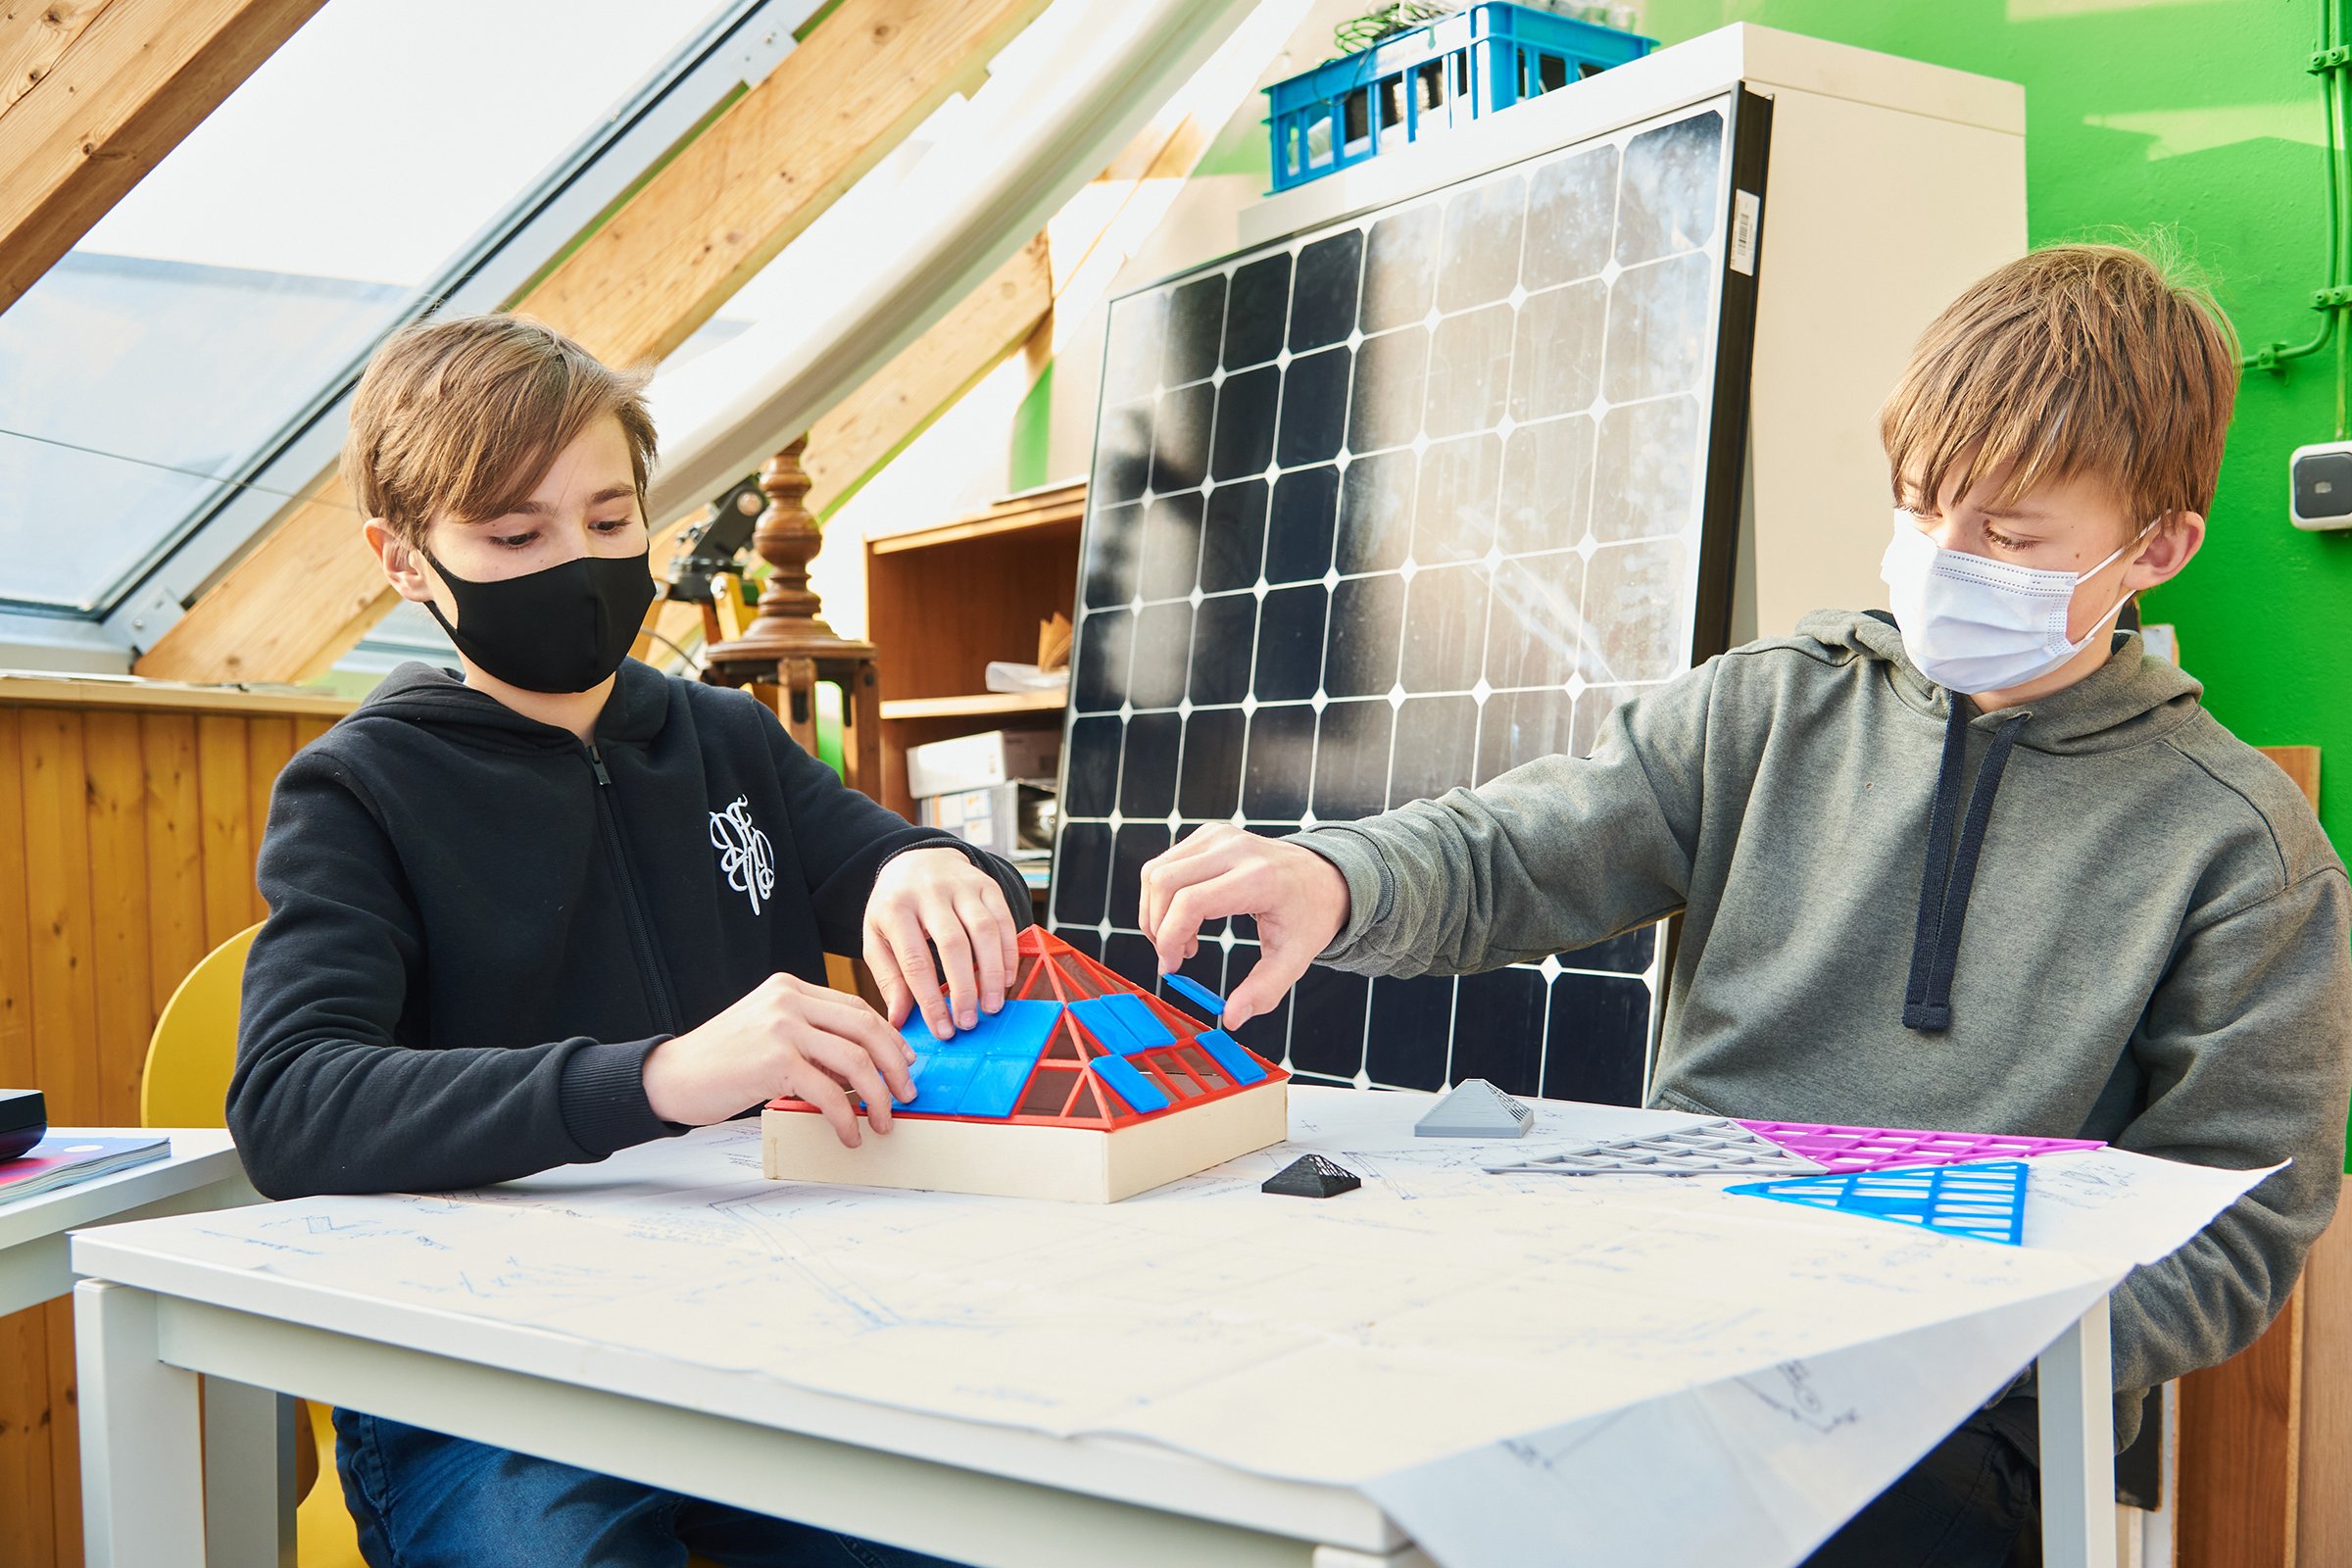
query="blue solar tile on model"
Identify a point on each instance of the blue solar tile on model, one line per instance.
(1983, 1203)
(1198, 995)
(1128, 1083)
(1238, 1064)
(981, 1071)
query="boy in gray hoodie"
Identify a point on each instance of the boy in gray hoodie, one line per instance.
(1980, 864)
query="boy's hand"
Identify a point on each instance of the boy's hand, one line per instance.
(786, 1038)
(1298, 898)
(927, 899)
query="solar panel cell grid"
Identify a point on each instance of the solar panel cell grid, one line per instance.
(1392, 506)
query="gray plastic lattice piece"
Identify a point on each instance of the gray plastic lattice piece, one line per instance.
(1710, 1148)
(1475, 1109)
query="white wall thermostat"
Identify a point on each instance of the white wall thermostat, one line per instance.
(2319, 492)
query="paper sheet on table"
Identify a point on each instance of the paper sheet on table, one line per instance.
(1272, 1335)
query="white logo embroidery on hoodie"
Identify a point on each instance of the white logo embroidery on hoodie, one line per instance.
(744, 855)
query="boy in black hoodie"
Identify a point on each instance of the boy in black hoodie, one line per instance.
(562, 905)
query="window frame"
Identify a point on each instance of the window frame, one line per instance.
(738, 44)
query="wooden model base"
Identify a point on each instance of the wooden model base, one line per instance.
(1012, 1159)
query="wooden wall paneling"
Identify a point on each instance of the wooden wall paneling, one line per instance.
(116, 795)
(2240, 1436)
(27, 1486)
(65, 1024)
(56, 876)
(2323, 1496)
(175, 923)
(65, 1432)
(127, 832)
(27, 1509)
(269, 746)
(222, 778)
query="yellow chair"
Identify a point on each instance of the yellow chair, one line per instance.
(185, 1084)
(190, 1059)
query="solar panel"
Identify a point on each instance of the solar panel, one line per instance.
(1398, 504)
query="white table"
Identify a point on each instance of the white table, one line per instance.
(161, 1309)
(202, 1173)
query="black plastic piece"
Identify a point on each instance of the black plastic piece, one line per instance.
(1311, 1176)
(23, 1121)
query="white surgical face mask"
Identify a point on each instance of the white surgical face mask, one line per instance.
(1975, 625)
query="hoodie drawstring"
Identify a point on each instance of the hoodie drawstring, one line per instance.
(1946, 882)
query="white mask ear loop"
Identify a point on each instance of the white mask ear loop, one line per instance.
(2117, 608)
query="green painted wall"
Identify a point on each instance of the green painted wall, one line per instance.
(2200, 119)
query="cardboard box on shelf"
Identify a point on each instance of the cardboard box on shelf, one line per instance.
(977, 762)
(990, 817)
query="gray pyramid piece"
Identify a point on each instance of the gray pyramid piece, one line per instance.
(1710, 1148)
(1475, 1109)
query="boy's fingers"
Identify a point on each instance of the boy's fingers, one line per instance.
(993, 897)
(848, 1060)
(1264, 988)
(897, 1000)
(987, 951)
(1190, 908)
(831, 1103)
(944, 927)
(1169, 870)
(913, 957)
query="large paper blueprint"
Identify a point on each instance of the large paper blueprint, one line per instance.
(1467, 1348)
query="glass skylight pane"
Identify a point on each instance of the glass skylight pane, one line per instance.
(273, 247)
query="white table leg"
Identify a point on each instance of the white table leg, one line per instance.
(248, 1475)
(142, 1493)
(2077, 1381)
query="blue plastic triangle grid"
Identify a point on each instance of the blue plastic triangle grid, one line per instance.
(1985, 1202)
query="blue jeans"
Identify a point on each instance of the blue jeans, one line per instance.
(426, 1500)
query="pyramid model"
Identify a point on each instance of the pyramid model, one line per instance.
(1075, 1044)
(1710, 1148)
(1843, 1150)
(1985, 1202)
(1475, 1109)
(1311, 1176)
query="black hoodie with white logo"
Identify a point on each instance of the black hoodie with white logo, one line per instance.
(479, 926)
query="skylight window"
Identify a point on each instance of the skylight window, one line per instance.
(222, 302)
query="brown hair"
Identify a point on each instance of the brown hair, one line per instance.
(2095, 360)
(464, 416)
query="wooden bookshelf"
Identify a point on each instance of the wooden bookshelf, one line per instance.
(944, 600)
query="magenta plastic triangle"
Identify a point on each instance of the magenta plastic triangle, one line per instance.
(1847, 1151)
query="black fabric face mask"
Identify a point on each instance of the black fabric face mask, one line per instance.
(559, 629)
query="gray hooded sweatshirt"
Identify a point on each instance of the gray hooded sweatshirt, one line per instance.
(2100, 915)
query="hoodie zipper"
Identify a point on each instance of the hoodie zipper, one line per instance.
(648, 961)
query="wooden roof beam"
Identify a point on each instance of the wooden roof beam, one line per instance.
(93, 93)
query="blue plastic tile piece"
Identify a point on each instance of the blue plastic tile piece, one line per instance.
(1022, 1026)
(1983, 1203)
(1238, 1064)
(996, 1088)
(1129, 1084)
(1143, 1024)
(1116, 1026)
(1198, 995)
(940, 1090)
(1020, 1030)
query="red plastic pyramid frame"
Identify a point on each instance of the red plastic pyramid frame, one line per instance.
(1094, 1120)
(1060, 1091)
(1854, 1150)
